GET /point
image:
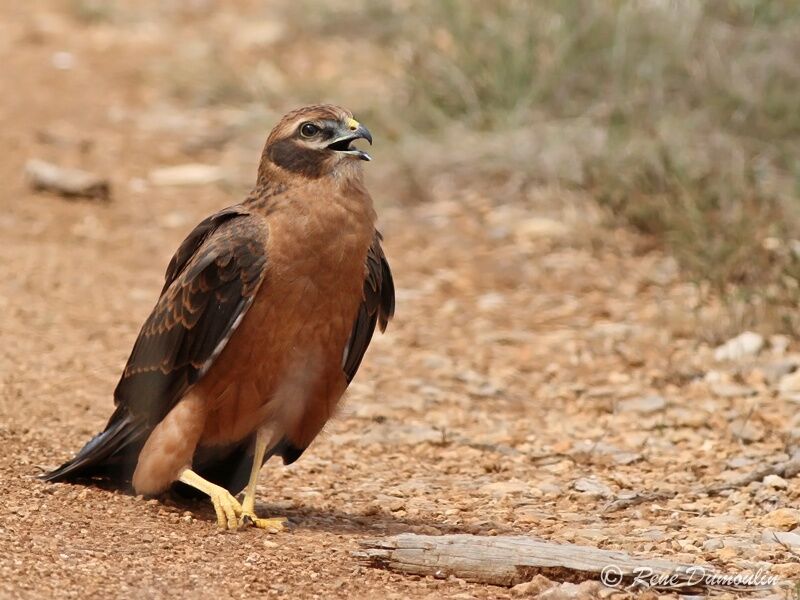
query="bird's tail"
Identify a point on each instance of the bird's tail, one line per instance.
(112, 453)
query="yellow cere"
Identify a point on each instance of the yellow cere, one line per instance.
(353, 124)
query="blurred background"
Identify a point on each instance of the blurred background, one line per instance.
(586, 205)
(677, 119)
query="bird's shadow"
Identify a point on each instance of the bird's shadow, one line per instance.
(334, 521)
(380, 522)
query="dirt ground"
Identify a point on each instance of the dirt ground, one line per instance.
(539, 369)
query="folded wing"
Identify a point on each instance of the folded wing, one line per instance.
(210, 283)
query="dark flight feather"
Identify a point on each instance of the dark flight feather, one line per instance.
(210, 283)
(377, 306)
(196, 315)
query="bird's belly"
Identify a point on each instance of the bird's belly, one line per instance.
(283, 366)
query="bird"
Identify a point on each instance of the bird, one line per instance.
(267, 309)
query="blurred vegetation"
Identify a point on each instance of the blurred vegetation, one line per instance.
(93, 11)
(202, 75)
(679, 117)
(695, 106)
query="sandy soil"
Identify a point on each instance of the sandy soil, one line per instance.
(539, 368)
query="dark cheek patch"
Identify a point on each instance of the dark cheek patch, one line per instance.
(326, 133)
(297, 159)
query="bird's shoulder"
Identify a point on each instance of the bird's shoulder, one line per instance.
(210, 284)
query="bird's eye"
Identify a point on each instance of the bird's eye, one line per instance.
(308, 130)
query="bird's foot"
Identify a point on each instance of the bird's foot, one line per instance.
(227, 508)
(249, 519)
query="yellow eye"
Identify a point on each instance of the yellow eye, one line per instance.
(308, 130)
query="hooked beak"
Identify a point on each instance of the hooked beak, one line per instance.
(351, 131)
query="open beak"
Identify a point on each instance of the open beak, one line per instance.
(351, 131)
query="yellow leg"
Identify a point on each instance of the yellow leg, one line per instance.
(248, 515)
(226, 506)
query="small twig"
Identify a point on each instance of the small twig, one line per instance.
(785, 469)
(786, 546)
(621, 503)
(552, 457)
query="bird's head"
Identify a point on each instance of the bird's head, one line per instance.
(316, 141)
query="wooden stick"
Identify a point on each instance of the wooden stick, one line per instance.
(510, 560)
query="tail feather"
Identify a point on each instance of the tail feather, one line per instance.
(111, 453)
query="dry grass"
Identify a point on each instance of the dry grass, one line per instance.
(680, 117)
(93, 11)
(202, 75)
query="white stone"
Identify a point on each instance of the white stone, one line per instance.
(539, 227)
(742, 346)
(63, 61)
(774, 481)
(789, 384)
(785, 538)
(644, 405)
(499, 489)
(713, 544)
(592, 486)
(779, 344)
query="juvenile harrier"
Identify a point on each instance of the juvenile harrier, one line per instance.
(266, 312)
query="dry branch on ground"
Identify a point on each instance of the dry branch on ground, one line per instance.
(66, 182)
(512, 560)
